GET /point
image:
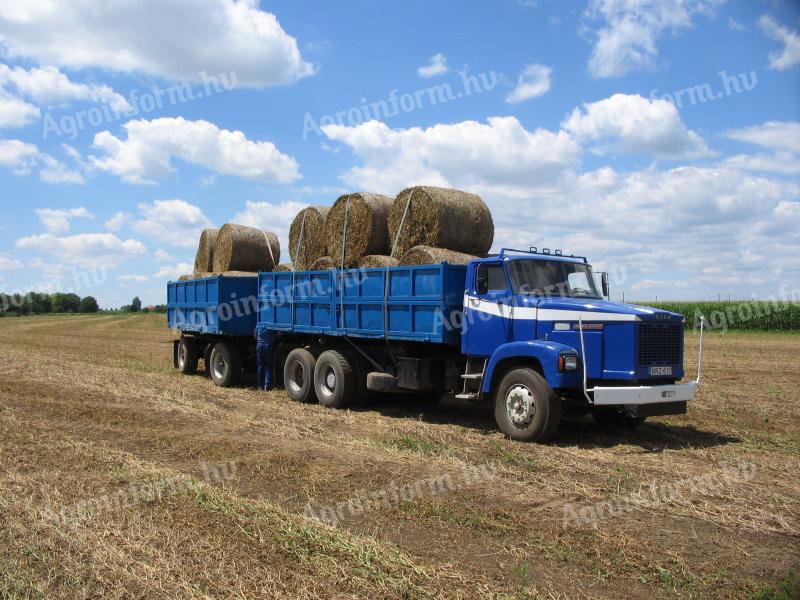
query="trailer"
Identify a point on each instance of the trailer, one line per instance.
(216, 317)
(529, 332)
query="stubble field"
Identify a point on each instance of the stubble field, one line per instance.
(120, 478)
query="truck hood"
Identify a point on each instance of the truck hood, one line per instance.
(571, 307)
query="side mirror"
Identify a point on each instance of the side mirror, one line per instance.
(482, 282)
(604, 283)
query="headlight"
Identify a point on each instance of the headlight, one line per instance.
(567, 362)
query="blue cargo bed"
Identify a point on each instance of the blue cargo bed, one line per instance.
(414, 303)
(217, 305)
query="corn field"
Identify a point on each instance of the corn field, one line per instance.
(737, 315)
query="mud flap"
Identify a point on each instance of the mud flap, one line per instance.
(175, 344)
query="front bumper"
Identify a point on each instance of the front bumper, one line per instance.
(678, 392)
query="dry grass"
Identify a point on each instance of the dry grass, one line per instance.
(90, 406)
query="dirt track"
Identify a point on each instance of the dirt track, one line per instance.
(90, 409)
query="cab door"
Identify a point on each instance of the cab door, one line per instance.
(488, 310)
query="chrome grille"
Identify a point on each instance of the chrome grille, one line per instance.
(660, 344)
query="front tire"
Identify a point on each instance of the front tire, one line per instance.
(225, 365)
(334, 380)
(298, 375)
(525, 406)
(188, 356)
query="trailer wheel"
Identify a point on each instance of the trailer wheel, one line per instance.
(298, 375)
(188, 356)
(525, 406)
(225, 364)
(334, 380)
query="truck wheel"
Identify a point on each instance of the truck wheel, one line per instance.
(298, 375)
(525, 406)
(188, 356)
(226, 364)
(334, 380)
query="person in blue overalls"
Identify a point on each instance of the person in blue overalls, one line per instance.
(265, 356)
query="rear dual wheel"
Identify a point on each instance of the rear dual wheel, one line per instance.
(225, 364)
(335, 380)
(188, 355)
(298, 375)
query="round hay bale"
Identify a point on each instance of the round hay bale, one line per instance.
(371, 261)
(283, 267)
(311, 222)
(427, 255)
(186, 277)
(241, 248)
(366, 233)
(442, 218)
(237, 274)
(322, 264)
(204, 260)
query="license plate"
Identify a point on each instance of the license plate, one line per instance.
(660, 370)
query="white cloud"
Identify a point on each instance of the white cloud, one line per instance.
(18, 156)
(116, 222)
(163, 256)
(145, 155)
(789, 55)
(775, 135)
(637, 124)
(175, 271)
(87, 249)
(22, 158)
(172, 221)
(15, 112)
(437, 66)
(658, 225)
(57, 220)
(54, 171)
(627, 40)
(132, 278)
(48, 85)
(534, 81)
(9, 264)
(168, 38)
(781, 138)
(500, 152)
(735, 25)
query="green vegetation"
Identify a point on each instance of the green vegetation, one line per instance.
(787, 589)
(737, 315)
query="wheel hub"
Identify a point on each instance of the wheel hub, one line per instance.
(219, 365)
(519, 405)
(296, 378)
(330, 380)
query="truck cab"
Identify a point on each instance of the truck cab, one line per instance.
(537, 331)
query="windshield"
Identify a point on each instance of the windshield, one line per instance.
(552, 278)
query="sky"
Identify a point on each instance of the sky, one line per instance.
(659, 138)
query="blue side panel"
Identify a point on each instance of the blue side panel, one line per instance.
(401, 303)
(216, 305)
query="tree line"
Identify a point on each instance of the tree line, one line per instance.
(34, 303)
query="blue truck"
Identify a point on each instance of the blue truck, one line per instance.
(528, 333)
